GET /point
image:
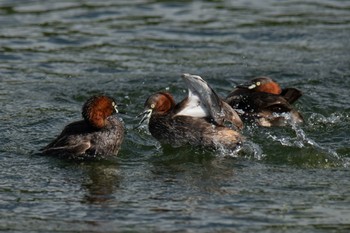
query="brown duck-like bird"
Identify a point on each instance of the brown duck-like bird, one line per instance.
(99, 134)
(198, 120)
(264, 102)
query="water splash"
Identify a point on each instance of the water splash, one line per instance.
(301, 140)
(246, 149)
(223, 152)
(334, 118)
(254, 149)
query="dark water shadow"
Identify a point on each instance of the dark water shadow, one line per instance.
(103, 181)
(100, 178)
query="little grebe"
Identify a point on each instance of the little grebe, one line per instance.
(99, 134)
(197, 120)
(264, 102)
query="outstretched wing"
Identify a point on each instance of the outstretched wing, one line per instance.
(202, 101)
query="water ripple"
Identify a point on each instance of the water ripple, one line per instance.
(54, 55)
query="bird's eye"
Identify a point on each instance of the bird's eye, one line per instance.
(258, 83)
(153, 105)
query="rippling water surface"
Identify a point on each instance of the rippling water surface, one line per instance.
(54, 55)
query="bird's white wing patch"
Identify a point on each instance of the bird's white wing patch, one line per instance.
(193, 107)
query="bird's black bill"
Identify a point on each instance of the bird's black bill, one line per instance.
(145, 116)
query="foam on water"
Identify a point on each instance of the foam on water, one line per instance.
(251, 148)
(334, 118)
(301, 140)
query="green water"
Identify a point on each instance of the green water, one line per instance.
(54, 55)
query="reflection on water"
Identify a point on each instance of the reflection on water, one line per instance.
(54, 55)
(103, 182)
